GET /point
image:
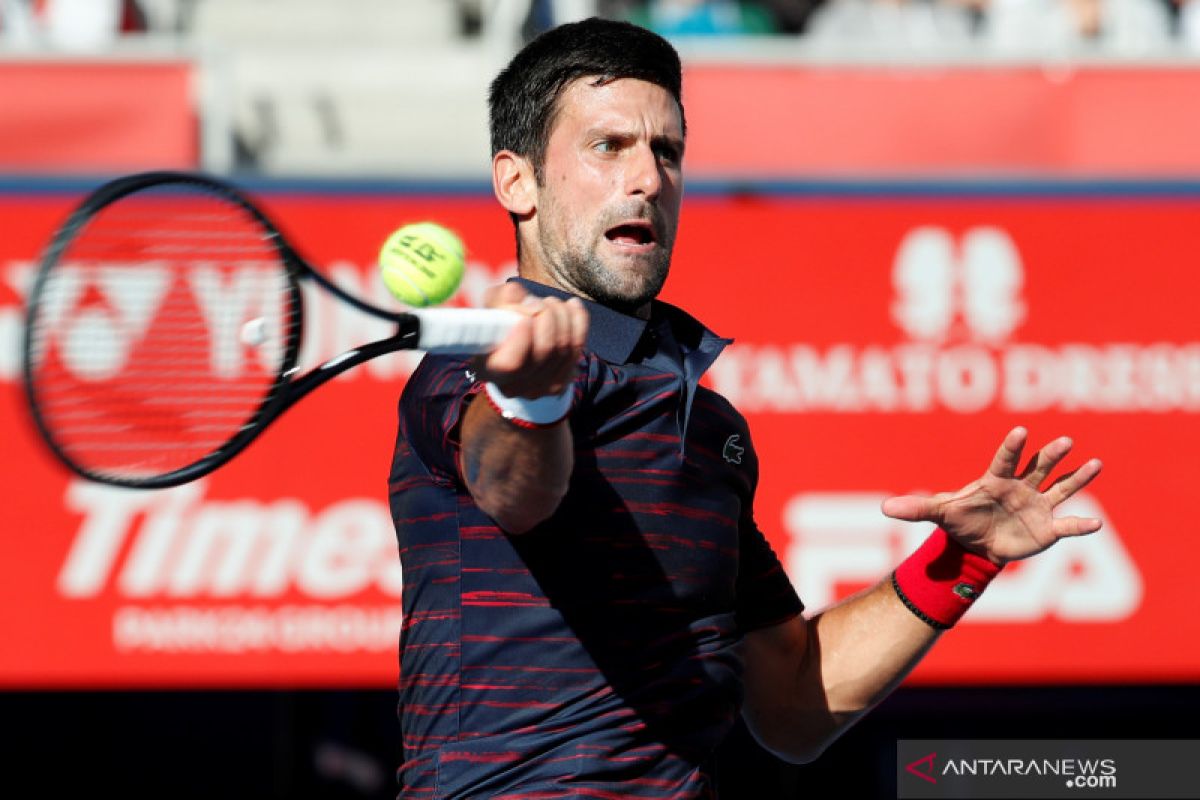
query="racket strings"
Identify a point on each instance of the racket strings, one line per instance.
(159, 332)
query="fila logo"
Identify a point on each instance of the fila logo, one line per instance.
(732, 452)
(964, 289)
(841, 543)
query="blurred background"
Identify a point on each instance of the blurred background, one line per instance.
(923, 221)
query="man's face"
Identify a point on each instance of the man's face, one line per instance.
(607, 206)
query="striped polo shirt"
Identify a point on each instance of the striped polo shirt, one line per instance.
(596, 656)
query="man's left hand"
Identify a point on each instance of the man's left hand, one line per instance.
(1005, 515)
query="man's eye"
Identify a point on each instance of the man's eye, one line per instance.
(606, 146)
(668, 154)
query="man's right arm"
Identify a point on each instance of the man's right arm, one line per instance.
(518, 475)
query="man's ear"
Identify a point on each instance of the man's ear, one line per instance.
(514, 183)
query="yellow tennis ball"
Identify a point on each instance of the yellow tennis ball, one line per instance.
(422, 264)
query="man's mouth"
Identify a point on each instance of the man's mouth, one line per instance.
(633, 233)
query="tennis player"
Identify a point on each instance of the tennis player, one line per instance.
(588, 600)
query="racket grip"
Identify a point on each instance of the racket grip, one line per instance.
(463, 330)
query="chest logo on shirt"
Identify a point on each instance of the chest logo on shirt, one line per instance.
(732, 452)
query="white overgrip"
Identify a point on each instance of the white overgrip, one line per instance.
(463, 330)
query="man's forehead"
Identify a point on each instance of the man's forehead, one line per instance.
(593, 99)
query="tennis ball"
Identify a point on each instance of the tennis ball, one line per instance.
(422, 264)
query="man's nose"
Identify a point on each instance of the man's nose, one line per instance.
(645, 173)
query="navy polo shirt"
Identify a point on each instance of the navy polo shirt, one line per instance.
(597, 655)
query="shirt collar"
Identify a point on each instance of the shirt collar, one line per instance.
(613, 335)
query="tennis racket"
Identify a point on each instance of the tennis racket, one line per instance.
(164, 325)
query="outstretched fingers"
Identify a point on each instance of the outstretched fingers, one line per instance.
(1075, 526)
(1072, 482)
(1045, 460)
(1004, 464)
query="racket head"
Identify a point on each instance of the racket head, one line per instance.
(161, 329)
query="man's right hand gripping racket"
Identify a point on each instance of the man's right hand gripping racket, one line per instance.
(164, 326)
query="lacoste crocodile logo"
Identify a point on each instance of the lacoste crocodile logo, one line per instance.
(732, 452)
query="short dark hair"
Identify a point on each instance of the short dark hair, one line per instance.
(523, 100)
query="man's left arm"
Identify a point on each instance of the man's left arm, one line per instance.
(807, 681)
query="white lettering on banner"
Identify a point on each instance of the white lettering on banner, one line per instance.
(844, 539)
(177, 544)
(130, 297)
(100, 535)
(228, 298)
(958, 306)
(1118, 377)
(934, 285)
(231, 548)
(240, 629)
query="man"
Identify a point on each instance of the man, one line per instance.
(588, 601)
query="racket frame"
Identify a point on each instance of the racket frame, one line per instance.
(287, 388)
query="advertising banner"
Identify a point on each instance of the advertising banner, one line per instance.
(884, 344)
(95, 117)
(920, 119)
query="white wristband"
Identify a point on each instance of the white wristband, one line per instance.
(536, 413)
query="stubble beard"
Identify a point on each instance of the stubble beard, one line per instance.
(581, 269)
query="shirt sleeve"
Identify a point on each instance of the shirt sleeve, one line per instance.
(765, 593)
(430, 409)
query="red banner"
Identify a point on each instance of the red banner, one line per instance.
(814, 119)
(84, 116)
(884, 345)
(77, 116)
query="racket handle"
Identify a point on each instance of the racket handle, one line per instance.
(463, 330)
